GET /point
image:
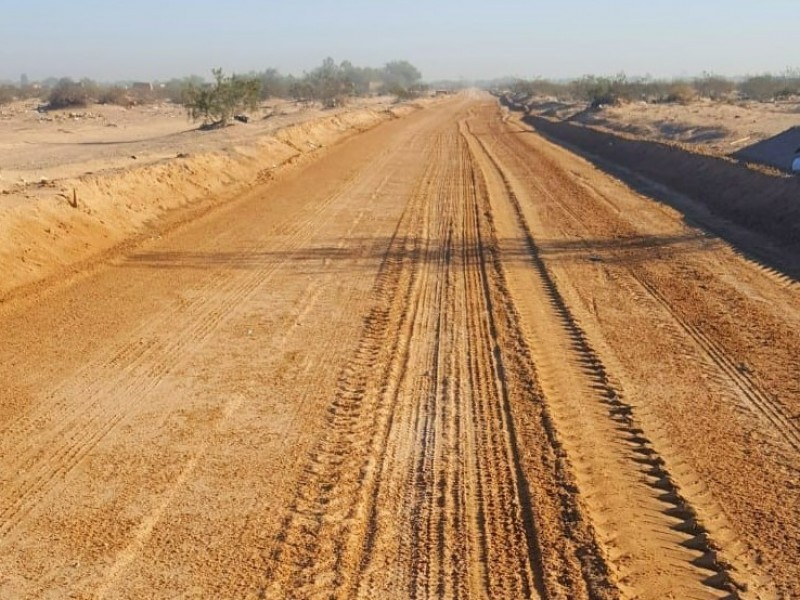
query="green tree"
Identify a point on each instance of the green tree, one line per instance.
(273, 84)
(216, 104)
(329, 83)
(401, 73)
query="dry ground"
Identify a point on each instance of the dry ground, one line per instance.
(717, 128)
(446, 359)
(71, 142)
(75, 189)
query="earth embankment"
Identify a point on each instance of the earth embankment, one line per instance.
(51, 226)
(766, 203)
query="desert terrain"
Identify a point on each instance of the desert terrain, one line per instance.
(121, 169)
(389, 351)
(763, 132)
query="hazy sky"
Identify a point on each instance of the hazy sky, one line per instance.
(159, 39)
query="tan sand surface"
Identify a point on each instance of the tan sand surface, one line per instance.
(437, 357)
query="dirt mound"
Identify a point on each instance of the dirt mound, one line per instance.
(778, 151)
(706, 126)
(59, 223)
(750, 198)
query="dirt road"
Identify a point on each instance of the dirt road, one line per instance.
(447, 359)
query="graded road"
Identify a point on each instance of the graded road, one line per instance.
(446, 359)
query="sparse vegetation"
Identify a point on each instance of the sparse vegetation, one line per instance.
(8, 93)
(332, 83)
(681, 93)
(216, 104)
(68, 93)
(115, 95)
(599, 91)
(767, 88)
(714, 87)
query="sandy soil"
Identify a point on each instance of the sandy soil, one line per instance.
(68, 143)
(718, 128)
(443, 358)
(91, 194)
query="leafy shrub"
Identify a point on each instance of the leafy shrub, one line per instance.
(328, 83)
(331, 83)
(216, 104)
(175, 90)
(273, 84)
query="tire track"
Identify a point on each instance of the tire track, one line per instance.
(753, 395)
(335, 473)
(377, 188)
(505, 497)
(659, 482)
(417, 490)
(750, 392)
(463, 542)
(137, 369)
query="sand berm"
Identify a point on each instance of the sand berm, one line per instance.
(66, 224)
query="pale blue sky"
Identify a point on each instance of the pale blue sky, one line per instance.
(159, 39)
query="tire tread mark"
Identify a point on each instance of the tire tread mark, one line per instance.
(619, 410)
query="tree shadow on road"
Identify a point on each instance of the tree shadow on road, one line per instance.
(366, 253)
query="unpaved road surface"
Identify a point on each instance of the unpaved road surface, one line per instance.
(447, 359)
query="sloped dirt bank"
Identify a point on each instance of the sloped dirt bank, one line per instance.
(61, 223)
(758, 201)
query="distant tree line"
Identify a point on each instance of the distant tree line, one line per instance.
(620, 88)
(330, 83)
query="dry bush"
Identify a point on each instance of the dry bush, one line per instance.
(714, 87)
(68, 93)
(115, 95)
(681, 93)
(766, 88)
(8, 93)
(600, 91)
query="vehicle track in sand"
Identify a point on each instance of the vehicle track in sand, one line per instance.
(468, 508)
(576, 384)
(404, 370)
(138, 367)
(604, 244)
